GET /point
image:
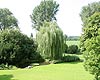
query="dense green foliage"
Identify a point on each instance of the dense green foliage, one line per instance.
(73, 49)
(46, 11)
(70, 58)
(86, 12)
(89, 10)
(7, 20)
(91, 44)
(90, 38)
(17, 49)
(50, 41)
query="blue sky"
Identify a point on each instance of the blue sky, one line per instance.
(67, 17)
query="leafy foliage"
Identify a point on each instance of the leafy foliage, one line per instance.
(7, 20)
(86, 12)
(46, 11)
(90, 38)
(73, 49)
(91, 44)
(89, 10)
(70, 58)
(50, 41)
(17, 49)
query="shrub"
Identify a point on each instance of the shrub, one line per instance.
(17, 49)
(73, 49)
(70, 58)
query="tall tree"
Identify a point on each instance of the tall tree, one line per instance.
(7, 20)
(89, 10)
(86, 12)
(46, 11)
(92, 45)
(90, 39)
(50, 41)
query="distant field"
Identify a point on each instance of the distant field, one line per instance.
(64, 71)
(72, 43)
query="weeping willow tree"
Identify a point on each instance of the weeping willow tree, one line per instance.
(50, 41)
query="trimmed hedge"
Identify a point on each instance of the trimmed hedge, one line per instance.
(69, 58)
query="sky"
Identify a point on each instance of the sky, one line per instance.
(68, 17)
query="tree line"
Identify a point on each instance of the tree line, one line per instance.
(73, 38)
(19, 50)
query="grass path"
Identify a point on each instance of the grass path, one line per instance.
(64, 71)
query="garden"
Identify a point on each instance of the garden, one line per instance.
(51, 55)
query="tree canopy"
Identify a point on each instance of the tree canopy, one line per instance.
(90, 38)
(89, 10)
(17, 49)
(91, 44)
(46, 11)
(50, 41)
(7, 20)
(86, 12)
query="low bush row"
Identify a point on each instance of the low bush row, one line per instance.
(70, 58)
(72, 49)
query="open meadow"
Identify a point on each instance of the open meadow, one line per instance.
(63, 71)
(73, 43)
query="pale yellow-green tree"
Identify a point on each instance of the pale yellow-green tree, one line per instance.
(50, 41)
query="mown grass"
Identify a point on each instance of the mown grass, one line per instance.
(63, 71)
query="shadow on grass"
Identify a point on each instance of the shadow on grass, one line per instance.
(6, 77)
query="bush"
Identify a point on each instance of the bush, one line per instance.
(70, 58)
(73, 49)
(17, 49)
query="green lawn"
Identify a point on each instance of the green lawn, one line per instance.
(64, 71)
(72, 43)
